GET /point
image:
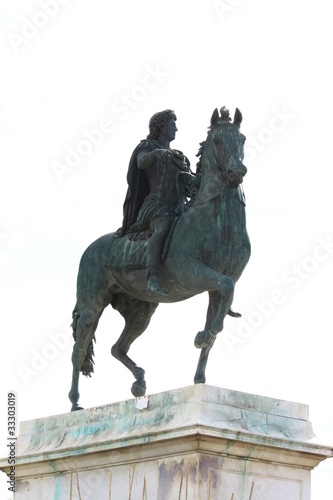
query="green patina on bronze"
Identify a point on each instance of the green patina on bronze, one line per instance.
(189, 239)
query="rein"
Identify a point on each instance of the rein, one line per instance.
(197, 204)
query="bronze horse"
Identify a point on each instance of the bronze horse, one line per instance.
(208, 251)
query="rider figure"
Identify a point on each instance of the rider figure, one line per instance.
(154, 196)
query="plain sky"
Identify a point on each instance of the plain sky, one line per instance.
(79, 82)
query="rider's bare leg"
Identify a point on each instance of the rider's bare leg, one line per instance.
(154, 251)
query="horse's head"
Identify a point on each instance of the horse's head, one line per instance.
(227, 145)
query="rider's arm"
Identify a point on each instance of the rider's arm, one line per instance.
(146, 158)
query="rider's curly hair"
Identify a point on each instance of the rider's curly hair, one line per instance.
(157, 121)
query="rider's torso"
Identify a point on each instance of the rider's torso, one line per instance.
(162, 181)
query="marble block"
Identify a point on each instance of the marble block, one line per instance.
(196, 443)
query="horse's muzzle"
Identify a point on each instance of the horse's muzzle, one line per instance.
(235, 175)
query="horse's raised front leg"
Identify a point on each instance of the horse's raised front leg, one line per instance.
(204, 278)
(137, 315)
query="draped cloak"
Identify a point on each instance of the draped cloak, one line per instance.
(138, 189)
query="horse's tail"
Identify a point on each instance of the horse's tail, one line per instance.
(87, 367)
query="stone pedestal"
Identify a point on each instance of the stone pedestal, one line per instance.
(195, 443)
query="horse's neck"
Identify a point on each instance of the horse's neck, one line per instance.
(215, 197)
(233, 206)
(211, 183)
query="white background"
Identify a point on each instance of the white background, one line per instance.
(66, 71)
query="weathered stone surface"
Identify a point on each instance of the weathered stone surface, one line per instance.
(206, 437)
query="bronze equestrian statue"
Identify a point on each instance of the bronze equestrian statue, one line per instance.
(206, 245)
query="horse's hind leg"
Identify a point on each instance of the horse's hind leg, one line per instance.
(84, 327)
(137, 316)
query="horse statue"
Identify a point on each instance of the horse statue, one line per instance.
(208, 251)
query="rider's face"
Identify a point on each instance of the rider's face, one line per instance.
(169, 129)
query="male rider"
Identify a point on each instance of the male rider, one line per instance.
(155, 196)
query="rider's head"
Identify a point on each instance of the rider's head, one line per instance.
(157, 121)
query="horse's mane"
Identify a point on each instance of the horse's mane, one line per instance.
(199, 155)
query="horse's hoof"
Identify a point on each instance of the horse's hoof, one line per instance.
(139, 388)
(204, 339)
(200, 380)
(234, 314)
(76, 407)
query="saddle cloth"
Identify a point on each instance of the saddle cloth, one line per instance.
(127, 254)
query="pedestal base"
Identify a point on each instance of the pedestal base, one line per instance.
(195, 443)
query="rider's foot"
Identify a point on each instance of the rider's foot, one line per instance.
(154, 285)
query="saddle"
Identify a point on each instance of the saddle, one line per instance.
(127, 253)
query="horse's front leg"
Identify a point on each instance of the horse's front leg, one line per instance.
(200, 377)
(207, 337)
(221, 289)
(200, 374)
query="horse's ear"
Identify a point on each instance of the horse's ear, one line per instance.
(214, 118)
(238, 117)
